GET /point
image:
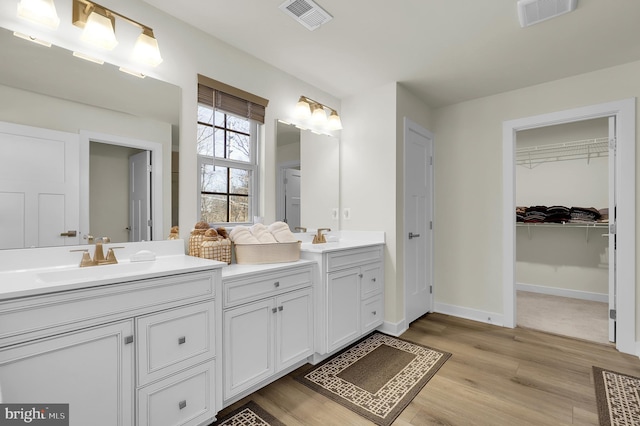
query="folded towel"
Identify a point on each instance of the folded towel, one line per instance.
(262, 234)
(241, 235)
(282, 233)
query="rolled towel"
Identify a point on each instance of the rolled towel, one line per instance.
(262, 234)
(241, 235)
(282, 233)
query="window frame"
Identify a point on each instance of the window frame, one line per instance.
(252, 166)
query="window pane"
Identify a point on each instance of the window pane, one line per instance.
(205, 114)
(240, 181)
(205, 140)
(213, 208)
(237, 123)
(220, 118)
(220, 145)
(239, 147)
(238, 209)
(214, 180)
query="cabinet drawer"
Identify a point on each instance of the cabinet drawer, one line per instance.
(371, 313)
(186, 398)
(245, 290)
(372, 280)
(172, 340)
(37, 316)
(353, 257)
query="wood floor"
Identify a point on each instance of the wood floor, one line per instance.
(496, 376)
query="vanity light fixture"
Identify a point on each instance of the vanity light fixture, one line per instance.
(32, 39)
(42, 12)
(307, 107)
(132, 72)
(88, 58)
(99, 29)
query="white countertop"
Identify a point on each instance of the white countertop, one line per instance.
(42, 277)
(236, 270)
(336, 246)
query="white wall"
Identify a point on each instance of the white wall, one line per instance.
(468, 246)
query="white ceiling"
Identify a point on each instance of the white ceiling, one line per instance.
(444, 51)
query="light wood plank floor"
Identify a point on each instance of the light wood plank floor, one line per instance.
(496, 376)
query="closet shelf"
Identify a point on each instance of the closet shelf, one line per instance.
(532, 156)
(587, 226)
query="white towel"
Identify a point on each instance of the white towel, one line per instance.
(241, 235)
(262, 234)
(282, 233)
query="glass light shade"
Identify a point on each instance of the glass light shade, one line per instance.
(146, 49)
(98, 31)
(303, 109)
(319, 115)
(41, 12)
(334, 122)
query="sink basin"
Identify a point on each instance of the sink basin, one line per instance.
(92, 273)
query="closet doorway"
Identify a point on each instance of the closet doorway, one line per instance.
(624, 133)
(562, 228)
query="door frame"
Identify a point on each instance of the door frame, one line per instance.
(86, 137)
(409, 124)
(625, 113)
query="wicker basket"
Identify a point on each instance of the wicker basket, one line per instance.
(195, 241)
(267, 253)
(216, 249)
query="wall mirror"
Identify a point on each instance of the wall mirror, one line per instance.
(48, 88)
(308, 178)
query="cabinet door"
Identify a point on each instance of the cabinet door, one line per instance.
(248, 346)
(343, 303)
(295, 328)
(91, 370)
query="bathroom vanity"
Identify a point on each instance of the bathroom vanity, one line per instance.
(126, 344)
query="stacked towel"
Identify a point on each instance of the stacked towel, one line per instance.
(242, 235)
(282, 233)
(262, 234)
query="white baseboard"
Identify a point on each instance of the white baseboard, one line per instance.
(393, 329)
(472, 314)
(563, 292)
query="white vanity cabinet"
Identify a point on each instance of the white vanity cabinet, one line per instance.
(349, 299)
(137, 352)
(268, 323)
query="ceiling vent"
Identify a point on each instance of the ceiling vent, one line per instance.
(534, 11)
(306, 12)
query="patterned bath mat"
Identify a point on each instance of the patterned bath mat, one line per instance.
(376, 377)
(250, 414)
(617, 398)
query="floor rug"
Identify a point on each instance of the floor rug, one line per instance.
(617, 398)
(376, 377)
(250, 414)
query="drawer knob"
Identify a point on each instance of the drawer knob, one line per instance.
(360, 275)
(373, 279)
(276, 284)
(182, 340)
(374, 312)
(182, 404)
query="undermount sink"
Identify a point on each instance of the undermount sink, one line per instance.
(93, 272)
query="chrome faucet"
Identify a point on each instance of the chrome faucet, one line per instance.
(319, 237)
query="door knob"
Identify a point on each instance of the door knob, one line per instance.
(69, 234)
(412, 235)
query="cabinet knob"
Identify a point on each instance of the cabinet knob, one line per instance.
(360, 275)
(373, 279)
(280, 308)
(276, 284)
(182, 340)
(182, 404)
(274, 310)
(374, 312)
(128, 339)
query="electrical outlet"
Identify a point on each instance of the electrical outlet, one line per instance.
(335, 215)
(346, 213)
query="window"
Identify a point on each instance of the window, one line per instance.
(228, 129)
(227, 148)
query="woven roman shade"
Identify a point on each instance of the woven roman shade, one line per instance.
(230, 99)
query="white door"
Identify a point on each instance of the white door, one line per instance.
(139, 198)
(418, 220)
(292, 179)
(39, 187)
(612, 226)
